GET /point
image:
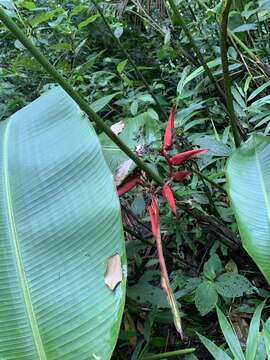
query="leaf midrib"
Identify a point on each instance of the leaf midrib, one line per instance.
(17, 249)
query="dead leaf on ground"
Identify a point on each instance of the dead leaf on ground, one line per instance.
(113, 275)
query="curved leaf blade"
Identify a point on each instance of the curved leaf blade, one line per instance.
(214, 350)
(254, 333)
(60, 223)
(248, 175)
(230, 336)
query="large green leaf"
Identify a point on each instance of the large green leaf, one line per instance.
(248, 175)
(59, 225)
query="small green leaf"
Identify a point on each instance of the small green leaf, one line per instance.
(134, 107)
(181, 83)
(121, 66)
(232, 285)
(245, 27)
(153, 114)
(45, 16)
(206, 297)
(77, 9)
(258, 91)
(212, 267)
(88, 21)
(146, 98)
(100, 104)
(230, 336)
(118, 32)
(29, 5)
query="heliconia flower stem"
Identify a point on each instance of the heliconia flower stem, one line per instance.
(169, 197)
(128, 185)
(153, 212)
(180, 158)
(180, 175)
(165, 282)
(169, 130)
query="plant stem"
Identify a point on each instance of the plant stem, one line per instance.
(76, 96)
(243, 46)
(169, 354)
(146, 240)
(202, 4)
(165, 281)
(212, 206)
(200, 57)
(225, 67)
(206, 178)
(131, 61)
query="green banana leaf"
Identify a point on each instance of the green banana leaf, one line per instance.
(248, 175)
(60, 229)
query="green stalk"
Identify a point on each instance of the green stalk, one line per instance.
(75, 95)
(202, 4)
(131, 61)
(196, 50)
(206, 178)
(225, 67)
(169, 354)
(243, 46)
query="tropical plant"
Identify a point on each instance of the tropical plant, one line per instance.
(125, 64)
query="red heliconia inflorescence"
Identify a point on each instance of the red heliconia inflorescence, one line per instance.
(175, 160)
(167, 143)
(180, 175)
(180, 158)
(168, 196)
(128, 185)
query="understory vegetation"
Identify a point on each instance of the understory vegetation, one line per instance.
(205, 64)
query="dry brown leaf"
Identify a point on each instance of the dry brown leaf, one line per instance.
(118, 127)
(113, 275)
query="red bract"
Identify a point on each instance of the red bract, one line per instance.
(169, 129)
(168, 196)
(180, 175)
(180, 158)
(128, 185)
(153, 212)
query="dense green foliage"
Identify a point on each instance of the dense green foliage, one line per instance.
(204, 257)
